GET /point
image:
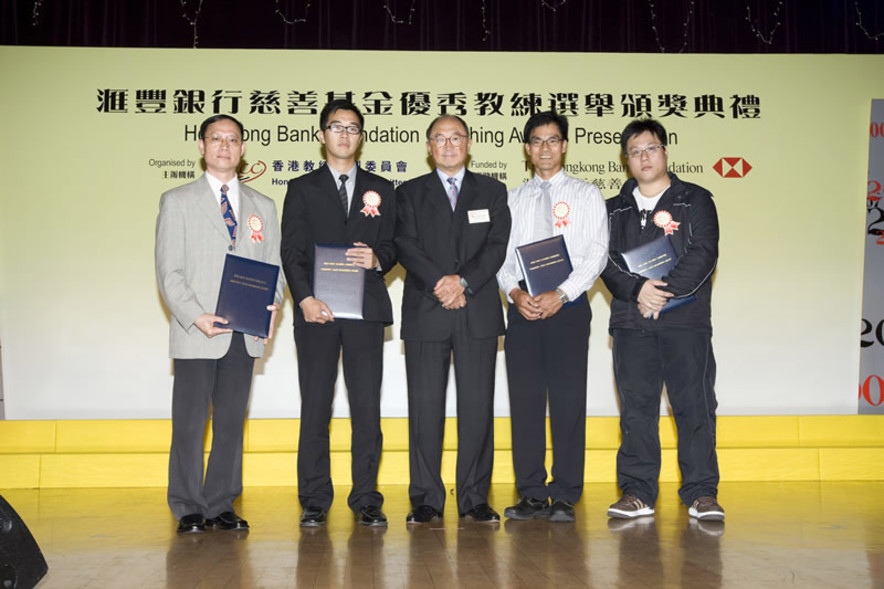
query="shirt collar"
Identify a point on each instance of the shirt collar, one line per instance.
(215, 183)
(351, 174)
(458, 177)
(556, 179)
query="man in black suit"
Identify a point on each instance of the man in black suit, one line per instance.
(451, 236)
(339, 204)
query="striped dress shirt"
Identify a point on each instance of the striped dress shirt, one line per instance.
(585, 228)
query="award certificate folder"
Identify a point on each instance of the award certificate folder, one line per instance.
(545, 264)
(655, 260)
(337, 282)
(247, 287)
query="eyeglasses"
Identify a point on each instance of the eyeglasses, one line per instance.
(455, 140)
(537, 142)
(228, 139)
(338, 128)
(651, 150)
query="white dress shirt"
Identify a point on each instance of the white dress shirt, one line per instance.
(232, 193)
(585, 229)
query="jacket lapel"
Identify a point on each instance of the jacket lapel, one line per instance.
(465, 201)
(328, 190)
(356, 203)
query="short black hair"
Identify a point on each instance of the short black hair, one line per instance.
(336, 105)
(441, 117)
(549, 117)
(215, 119)
(639, 126)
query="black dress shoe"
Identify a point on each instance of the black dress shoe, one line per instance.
(371, 515)
(481, 513)
(561, 511)
(192, 523)
(313, 517)
(228, 520)
(527, 508)
(423, 514)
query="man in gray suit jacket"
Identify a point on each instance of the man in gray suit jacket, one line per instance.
(198, 224)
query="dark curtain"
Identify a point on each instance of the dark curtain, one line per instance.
(650, 26)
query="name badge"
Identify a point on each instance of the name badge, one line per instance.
(479, 216)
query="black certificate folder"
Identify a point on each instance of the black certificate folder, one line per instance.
(247, 287)
(655, 260)
(545, 264)
(337, 282)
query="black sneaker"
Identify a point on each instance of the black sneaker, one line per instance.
(561, 511)
(527, 508)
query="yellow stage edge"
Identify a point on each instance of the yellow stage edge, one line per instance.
(134, 453)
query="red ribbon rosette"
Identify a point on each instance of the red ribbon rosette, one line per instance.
(561, 211)
(663, 220)
(371, 200)
(257, 226)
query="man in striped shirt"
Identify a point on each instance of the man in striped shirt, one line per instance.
(547, 338)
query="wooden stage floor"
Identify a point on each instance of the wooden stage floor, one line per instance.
(795, 534)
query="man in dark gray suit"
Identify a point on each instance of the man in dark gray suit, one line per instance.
(198, 224)
(451, 236)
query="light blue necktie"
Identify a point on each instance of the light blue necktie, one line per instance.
(452, 192)
(543, 222)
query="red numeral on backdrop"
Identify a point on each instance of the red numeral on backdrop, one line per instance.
(876, 129)
(865, 391)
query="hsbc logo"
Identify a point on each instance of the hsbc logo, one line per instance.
(732, 167)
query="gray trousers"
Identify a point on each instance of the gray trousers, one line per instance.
(224, 385)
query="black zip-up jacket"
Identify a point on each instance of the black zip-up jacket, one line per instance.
(695, 239)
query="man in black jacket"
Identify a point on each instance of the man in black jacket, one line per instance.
(451, 235)
(672, 347)
(340, 203)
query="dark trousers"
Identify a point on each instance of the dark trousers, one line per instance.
(546, 360)
(682, 360)
(426, 366)
(319, 347)
(224, 384)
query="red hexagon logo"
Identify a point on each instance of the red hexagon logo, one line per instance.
(732, 167)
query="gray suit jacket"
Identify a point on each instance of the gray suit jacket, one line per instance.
(191, 245)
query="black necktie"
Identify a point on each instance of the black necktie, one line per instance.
(342, 192)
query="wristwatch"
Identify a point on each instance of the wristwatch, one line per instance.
(464, 283)
(563, 296)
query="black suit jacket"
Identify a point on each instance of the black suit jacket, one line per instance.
(433, 241)
(312, 213)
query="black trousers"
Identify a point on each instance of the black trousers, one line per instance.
(427, 365)
(224, 384)
(546, 360)
(319, 346)
(682, 360)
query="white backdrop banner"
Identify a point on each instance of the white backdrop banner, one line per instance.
(92, 137)
(871, 384)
